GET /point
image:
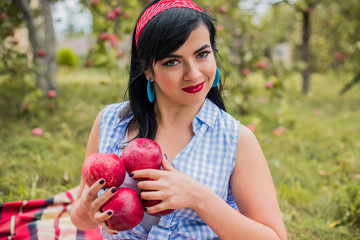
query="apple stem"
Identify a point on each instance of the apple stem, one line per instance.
(147, 143)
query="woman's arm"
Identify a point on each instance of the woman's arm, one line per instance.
(252, 187)
(85, 211)
(254, 193)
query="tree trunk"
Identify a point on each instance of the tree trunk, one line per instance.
(306, 52)
(50, 45)
(44, 73)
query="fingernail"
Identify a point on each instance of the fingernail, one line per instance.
(109, 213)
(102, 182)
(131, 174)
(114, 190)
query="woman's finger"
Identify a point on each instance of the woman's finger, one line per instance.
(92, 191)
(103, 216)
(107, 229)
(158, 208)
(101, 200)
(151, 195)
(153, 174)
(166, 165)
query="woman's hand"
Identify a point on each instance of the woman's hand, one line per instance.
(175, 189)
(87, 208)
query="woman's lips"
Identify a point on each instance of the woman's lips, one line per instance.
(194, 89)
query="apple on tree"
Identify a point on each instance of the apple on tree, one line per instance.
(41, 53)
(261, 65)
(103, 36)
(117, 11)
(111, 16)
(51, 94)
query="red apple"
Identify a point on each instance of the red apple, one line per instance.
(150, 203)
(113, 40)
(223, 9)
(51, 94)
(142, 153)
(111, 16)
(89, 63)
(269, 85)
(37, 132)
(339, 56)
(3, 16)
(251, 126)
(41, 53)
(246, 71)
(104, 36)
(127, 209)
(279, 130)
(108, 166)
(318, 112)
(261, 65)
(117, 11)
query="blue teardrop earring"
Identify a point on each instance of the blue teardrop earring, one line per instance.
(150, 91)
(217, 78)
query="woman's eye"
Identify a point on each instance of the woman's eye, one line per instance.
(203, 54)
(171, 63)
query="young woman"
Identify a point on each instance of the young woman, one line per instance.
(216, 176)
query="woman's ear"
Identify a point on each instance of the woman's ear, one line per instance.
(148, 74)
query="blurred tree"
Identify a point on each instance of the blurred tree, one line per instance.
(112, 22)
(43, 51)
(19, 91)
(341, 39)
(305, 8)
(333, 27)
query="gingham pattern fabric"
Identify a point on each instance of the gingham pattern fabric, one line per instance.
(209, 158)
(157, 8)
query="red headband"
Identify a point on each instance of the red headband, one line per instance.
(157, 8)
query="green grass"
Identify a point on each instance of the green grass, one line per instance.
(314, 162)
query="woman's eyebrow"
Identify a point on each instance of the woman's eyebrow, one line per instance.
(197, 51)
(202, 48)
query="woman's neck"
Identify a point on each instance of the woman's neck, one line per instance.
(174, 115)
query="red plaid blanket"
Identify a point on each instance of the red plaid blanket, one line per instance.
(44, 219)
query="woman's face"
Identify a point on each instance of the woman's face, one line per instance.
(185, 76)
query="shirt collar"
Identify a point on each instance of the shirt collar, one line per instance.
(208, 114)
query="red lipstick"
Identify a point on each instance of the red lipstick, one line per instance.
(194, 89)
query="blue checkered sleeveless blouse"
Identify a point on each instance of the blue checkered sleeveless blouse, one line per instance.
(209, 158)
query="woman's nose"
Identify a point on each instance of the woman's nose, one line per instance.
(192, 73)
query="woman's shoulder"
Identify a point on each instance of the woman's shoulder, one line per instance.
(115, 107)
(111, 114)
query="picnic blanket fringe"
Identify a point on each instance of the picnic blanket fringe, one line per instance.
(42, 219)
